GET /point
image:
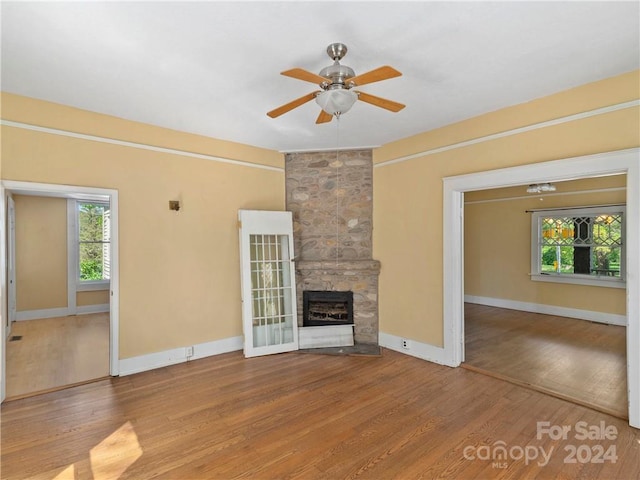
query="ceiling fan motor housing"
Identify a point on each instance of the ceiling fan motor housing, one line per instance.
(338, 74)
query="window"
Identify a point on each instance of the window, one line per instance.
(94, 236)
(580, 245)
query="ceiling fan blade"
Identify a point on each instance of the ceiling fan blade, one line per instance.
(291, 105)
(382, 73)
(380, 102)
(305, 75)
(324, 117)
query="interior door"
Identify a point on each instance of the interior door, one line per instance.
(269, 315)
(11, 264)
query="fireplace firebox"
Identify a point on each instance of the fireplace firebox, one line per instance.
(327, 308)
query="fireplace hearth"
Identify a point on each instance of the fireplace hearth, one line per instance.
(327, 308)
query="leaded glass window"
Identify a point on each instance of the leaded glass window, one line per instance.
(586, 242)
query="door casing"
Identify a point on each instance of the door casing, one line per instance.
(79, 193)
(611, 163)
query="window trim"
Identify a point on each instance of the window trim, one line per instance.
(74, 246)
(537, 275)
(92, 285)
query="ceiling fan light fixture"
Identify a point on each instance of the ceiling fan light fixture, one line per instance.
(337, 101)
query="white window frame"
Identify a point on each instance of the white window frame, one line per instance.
(73, 251)
(578, 279)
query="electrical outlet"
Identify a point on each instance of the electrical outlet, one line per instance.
(188, 352)
(405, 344)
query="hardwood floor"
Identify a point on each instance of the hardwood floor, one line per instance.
(578, 360)
(304, 416)
(55, 352)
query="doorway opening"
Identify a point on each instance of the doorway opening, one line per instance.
(612, 163)
(80, 332)
(563, 337)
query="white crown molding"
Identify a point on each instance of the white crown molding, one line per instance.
(331, 149)
(523, 197)
(142, 146)
(515, 131)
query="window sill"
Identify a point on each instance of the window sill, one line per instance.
(579, 280)
(93, 286)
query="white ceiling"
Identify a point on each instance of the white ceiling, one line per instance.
(212, 68)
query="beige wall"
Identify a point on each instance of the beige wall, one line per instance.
(97, 297)
(41, 256)
(498, 245)
(407, 237)
(41, 252)
(179, 272)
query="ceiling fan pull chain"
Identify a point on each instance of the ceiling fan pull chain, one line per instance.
(337, 187)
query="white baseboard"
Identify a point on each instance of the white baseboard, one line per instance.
(86, 309)
(142, 363)
(44, 313)
(600, 317)
(60, 312)
(417, 349)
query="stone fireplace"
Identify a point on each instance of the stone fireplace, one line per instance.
(331, 197)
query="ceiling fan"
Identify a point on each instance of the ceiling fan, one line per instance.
(337, 82)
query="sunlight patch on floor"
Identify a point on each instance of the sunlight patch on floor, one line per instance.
(111, 457)
(68, 473)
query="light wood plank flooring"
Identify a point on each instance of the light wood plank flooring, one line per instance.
(301, 416)
(55, 352)
(574, 359)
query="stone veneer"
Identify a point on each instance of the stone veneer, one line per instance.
(331, 197)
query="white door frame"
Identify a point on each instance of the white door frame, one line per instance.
(611, 163)
(79, 193)
(3, 294)
(11, 263)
